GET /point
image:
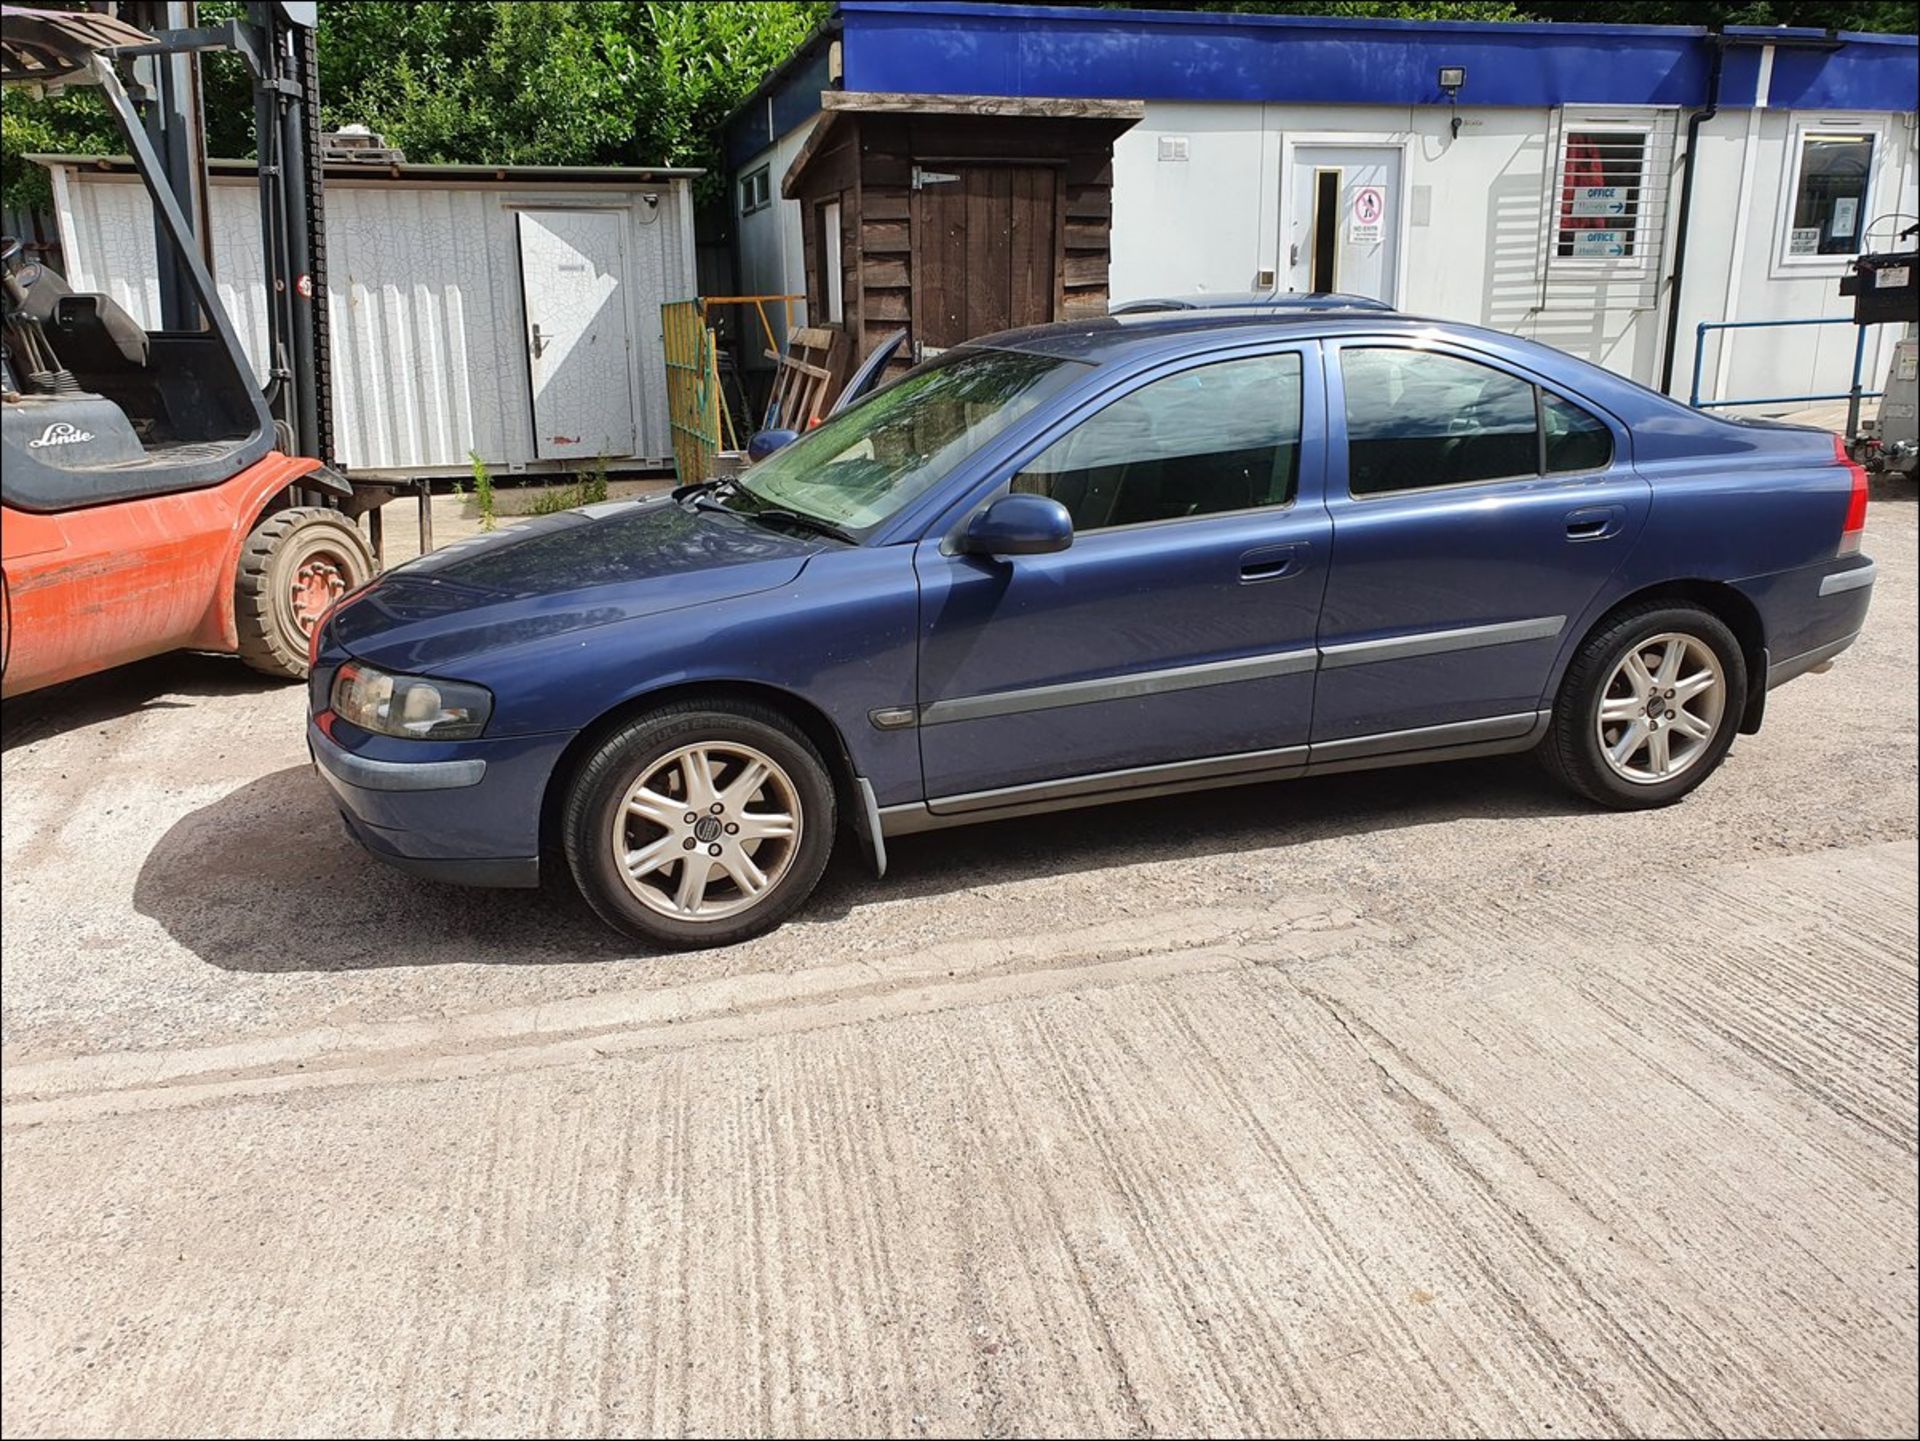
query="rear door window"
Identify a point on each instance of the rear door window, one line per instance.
(1420, 418)
(1576, 439)
(1207, 441)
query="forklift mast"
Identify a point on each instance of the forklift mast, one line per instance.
(276, 42)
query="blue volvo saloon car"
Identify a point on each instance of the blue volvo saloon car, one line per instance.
(1085, 563)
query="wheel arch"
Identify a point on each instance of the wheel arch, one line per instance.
(253, 495)
(812, 722)
(1725, 602)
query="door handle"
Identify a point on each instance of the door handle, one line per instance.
(539, 341)
(1272, 562)
(1293, 253)
(1595, 522)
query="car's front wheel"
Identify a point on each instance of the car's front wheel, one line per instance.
(1648, 708)
(700, 825)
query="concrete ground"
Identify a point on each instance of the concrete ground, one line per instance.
(1394, 1103)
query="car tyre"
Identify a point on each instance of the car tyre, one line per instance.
(751, 820)
(294, 565)
(1648, 708)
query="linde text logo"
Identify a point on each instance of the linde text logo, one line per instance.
(60, 433)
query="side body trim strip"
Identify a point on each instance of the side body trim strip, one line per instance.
(1845, 580)
(1121, 687)
(1438, 642)
(1224, 672)
(1495, 736)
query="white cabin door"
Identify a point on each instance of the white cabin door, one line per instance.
(1343, 220)
(579, 352)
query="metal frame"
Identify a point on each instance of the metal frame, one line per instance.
(1853, 394)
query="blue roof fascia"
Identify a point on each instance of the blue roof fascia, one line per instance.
(935, 47)
(1239, 20)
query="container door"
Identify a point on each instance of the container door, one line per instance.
(1343, 221)
(579, 352)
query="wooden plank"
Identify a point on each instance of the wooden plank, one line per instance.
(940, 264)
(1034, 105)
(890, 305)
(1031, 235)
(1089, 202)
(887, 171)
(1060, 249)
(989, 249)
(1088, 235)
(1083, 270)
(883, 271)
(1090, 167)
(885, 236)
(883, 203)
(823, 134)
(1084, 304)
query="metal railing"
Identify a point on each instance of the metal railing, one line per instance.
(1853, 395)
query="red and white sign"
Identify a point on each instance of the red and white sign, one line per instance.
(1367, 225)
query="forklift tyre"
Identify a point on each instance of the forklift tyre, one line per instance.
(295, 564)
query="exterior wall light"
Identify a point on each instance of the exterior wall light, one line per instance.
(1452, 78)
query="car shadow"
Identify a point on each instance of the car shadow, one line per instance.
(162, 682)
(266, 880)
(1259, 817)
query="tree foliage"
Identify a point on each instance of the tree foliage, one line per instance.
(648, 82)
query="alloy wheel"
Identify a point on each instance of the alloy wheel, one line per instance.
(1661, 708)
(706, 831)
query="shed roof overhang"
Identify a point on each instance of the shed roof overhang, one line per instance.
(1099, 122)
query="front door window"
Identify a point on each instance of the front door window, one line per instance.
(1207, 441)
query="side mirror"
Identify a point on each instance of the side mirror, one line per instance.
(764, 443)
(1019, 525)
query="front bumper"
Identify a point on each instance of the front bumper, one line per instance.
(467, 811)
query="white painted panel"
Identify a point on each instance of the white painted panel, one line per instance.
(1193, 224)
(428, 336)
(772, 258)
(572, 272)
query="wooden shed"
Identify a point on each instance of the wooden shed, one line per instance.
(954, 215)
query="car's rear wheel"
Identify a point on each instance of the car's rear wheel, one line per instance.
(1649, 707)
(295, 564)
(700, 825)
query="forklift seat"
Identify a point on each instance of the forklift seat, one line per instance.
(92, 333)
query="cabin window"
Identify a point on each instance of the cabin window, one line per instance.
(1827, 192)
(1602, 188)
(756, 192)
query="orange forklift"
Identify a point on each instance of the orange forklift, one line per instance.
(153, 495)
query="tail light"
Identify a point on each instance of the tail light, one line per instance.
(1856, 502)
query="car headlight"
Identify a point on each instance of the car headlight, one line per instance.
(410, 706)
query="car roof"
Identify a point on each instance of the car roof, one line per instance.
(1127, 340)
(1125, 337)
(1249, 299)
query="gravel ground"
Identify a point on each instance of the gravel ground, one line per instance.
(1400, 1102)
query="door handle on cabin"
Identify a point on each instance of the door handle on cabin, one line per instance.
(1595, 522)
(1273, 562)
(539, 341)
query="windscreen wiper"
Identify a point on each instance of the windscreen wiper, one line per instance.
(774, 515)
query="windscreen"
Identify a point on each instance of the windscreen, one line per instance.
(872, 460)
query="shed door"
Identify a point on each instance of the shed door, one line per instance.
(983, 251)
(579, 354)
(1343, 221)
